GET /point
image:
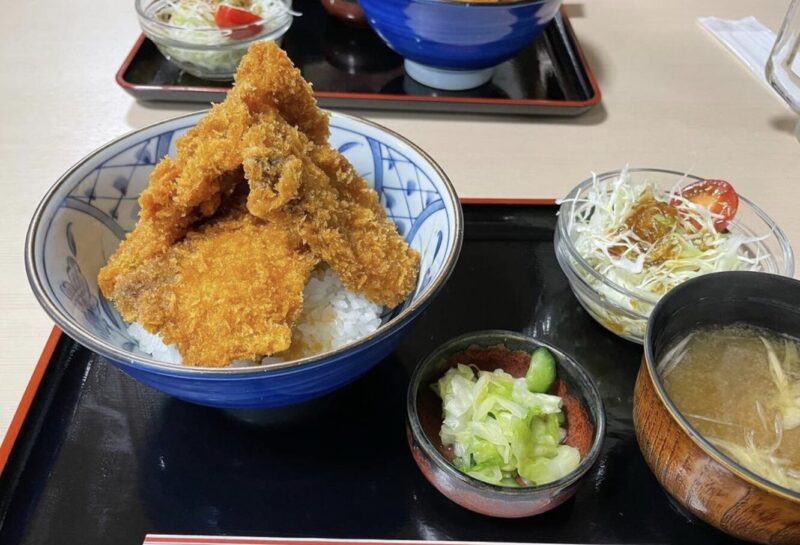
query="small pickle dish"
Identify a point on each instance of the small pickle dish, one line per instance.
(485, 480)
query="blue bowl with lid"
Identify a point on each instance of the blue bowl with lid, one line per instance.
(455, 45)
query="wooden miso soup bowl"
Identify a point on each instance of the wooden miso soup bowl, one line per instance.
(700, 477)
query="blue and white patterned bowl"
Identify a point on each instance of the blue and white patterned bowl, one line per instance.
(87, 212)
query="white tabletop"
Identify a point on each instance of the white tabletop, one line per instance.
(673, 97)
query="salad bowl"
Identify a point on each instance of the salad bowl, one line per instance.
(196, 43)
(89, 210)
(621, 305)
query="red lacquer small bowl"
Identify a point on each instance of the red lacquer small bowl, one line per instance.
(582, 404)
(346, 10)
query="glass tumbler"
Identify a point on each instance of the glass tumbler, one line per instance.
(783, 68)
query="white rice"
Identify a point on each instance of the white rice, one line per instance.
(152, 344)
(332, 317)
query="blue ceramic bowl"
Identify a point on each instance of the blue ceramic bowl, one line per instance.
(87, 212)
(455, 45)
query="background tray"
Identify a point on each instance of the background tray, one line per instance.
(352, 68)
(103, 459)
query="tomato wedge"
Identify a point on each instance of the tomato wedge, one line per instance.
(227, 16)
(230, 16)
(718, 196)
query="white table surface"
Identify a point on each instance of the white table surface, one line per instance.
(672, 97)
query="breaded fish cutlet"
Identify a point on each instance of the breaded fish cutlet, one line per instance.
(339, 215)
(211, 295)
(223, 279)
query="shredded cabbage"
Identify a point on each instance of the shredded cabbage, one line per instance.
(501, 432)
(195, 14)
(185, 42)
(596, 226)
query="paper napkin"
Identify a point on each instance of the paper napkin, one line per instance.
(746, 38)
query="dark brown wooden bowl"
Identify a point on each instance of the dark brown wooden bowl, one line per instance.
(701, 478)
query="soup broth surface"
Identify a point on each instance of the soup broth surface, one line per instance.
(744, 401)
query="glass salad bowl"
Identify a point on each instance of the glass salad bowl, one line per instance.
(187, 34)
(620, 294)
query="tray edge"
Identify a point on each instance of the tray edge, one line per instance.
(388, 102)
(21, 412)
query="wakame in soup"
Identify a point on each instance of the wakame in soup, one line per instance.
(739, 387)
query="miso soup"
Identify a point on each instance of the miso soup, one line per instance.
(739, 387)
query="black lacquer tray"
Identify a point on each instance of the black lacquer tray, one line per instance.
(102, 459)
(352, 68)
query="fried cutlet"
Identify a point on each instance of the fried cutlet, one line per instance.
(339, 216)
(224, 281)
(231, 289)
(190, 187)
(347, 226)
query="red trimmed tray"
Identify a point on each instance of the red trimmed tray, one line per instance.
(352, 68)
(94, 457)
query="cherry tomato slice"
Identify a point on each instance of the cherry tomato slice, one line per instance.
(718, 196)
(229, 16)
